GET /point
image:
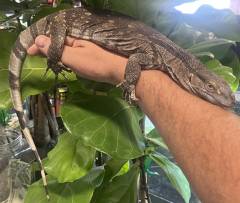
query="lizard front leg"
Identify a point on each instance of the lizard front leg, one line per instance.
(58, 33)
(132, 74)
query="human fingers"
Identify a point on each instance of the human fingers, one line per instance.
(86, 59)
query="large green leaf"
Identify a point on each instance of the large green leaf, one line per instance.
(70, 159)
(155, 138)
(122, 189)
(174, 174)
(5, 48)
(218, 47)
(108, 124)
(75, 192)
(232, 60)
(32, 78)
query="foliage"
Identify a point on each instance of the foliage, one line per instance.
(174, 174)
(80, 190)
(70, 160)
(114, 131)
(4, 117)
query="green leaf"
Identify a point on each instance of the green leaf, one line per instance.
(218, 47)
(147, 165)
(105, 123)
(174, 174)
(125, 168)
(93, 87)
(114, 167)
(75, 192)
(32, 80)
(4, 117)
(2, 16)
(205, 54)
(70, 159)
(122, 189)
(5, 47)
(231, 59)
(155, 138)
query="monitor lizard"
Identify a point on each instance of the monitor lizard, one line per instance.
(144, 47)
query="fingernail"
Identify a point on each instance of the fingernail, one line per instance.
(40, 42)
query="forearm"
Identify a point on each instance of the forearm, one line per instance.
(202, 137)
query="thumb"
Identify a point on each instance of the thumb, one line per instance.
(43, 43)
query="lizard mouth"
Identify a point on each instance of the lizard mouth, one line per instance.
(224, 101)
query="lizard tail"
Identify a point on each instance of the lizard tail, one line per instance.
(18, 55)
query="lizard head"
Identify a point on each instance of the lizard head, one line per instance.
(212, 88)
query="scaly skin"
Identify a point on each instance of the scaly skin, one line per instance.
(144, 47)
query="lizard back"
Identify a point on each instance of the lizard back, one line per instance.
(126, 36)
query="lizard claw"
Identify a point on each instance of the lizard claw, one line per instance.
(133, 95)
(129, 92)
(130, 95)
(45, 74)
(64, 75)
(122, 84)
(63, 67)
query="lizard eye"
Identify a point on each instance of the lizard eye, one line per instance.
(210, 86)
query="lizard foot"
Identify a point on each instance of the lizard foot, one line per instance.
(57, 67)
(129, 93)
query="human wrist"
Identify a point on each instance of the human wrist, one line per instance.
(157, 95)
(150, 83)
(117, 69)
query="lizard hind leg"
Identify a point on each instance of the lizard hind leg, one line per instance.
(132, 74)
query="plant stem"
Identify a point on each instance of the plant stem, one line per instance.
(144, 193)
(143, 190)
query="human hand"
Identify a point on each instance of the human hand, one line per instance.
(86, 59)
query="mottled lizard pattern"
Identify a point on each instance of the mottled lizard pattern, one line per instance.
(144, 47)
